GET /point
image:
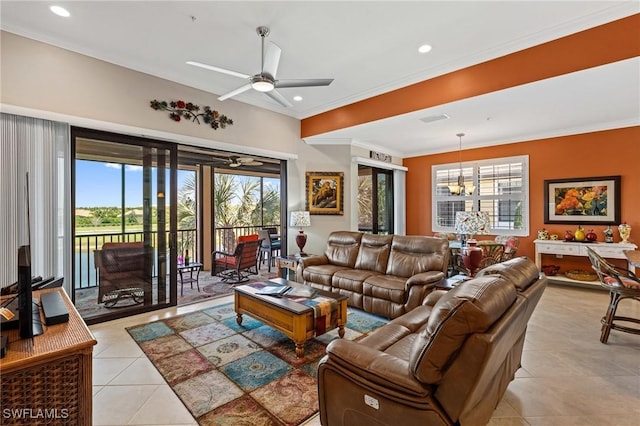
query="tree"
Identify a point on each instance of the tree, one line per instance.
(187, 212)
(365, 202)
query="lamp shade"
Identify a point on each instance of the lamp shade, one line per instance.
(300, 219)
(472, 223)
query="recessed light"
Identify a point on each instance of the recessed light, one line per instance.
(297, 98)
(60, 11)
(424, 48)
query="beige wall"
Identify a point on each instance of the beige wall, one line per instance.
(319, 158)
(44, 81)
(42, 77)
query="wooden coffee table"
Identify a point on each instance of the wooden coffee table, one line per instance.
(293, 319)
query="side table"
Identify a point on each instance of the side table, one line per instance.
(190, 268)
(453, 281)
(287, 266)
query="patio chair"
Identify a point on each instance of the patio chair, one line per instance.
(510, 243)
(622, 284)
(268, 247)
(235, 268)
(122, 273)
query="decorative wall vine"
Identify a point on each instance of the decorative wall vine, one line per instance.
(181, 109)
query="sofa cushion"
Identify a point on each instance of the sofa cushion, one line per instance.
(342, 248)
(411, 255)
(374, 253)
(520, 271)
(321, 274)
(350, 279)
(386, 287)
(472, 307)
(396, 338)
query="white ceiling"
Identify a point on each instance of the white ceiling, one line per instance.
(368, 48)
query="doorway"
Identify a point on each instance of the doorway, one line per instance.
(375, 200)
(124, 231)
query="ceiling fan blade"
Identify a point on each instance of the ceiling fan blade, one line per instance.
(273, 94)
(235, 92)
(217, 69)
(271, 59)
(304, 83)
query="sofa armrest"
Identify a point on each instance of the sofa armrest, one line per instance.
(303, 262)
(375, 366)
(419, 285)
(433, 297)
(430, 278)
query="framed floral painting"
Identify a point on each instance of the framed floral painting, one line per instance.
(589, 201)
(324, 193)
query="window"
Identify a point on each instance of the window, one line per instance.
(501, 189)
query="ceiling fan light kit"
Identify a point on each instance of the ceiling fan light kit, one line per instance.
(265, 81)
(262, 83)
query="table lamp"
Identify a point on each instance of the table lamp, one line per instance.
(300, 219)
(469, 224)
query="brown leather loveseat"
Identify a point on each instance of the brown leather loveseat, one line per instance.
(447, 362)
(386, 275)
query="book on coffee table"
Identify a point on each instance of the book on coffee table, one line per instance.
(277, 291)
(301, 291)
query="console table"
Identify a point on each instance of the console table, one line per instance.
(563, 248)
(47, 379)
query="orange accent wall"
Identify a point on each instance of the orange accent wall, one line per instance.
(596, 46)
(605, 153)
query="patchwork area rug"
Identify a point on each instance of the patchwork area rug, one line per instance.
(227, 374)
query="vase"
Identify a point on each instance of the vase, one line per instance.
(301, 240)
(625, 232)
(471, 257)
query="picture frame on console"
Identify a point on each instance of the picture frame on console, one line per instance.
(325, 193)
(588, 201)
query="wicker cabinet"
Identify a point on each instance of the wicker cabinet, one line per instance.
(47, 379)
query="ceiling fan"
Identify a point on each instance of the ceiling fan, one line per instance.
(265, 81)
(242, 161)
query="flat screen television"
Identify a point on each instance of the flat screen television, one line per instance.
(29, 323)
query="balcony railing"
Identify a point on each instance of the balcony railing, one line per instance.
(86, 275)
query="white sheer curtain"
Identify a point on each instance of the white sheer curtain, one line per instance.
(41, 149)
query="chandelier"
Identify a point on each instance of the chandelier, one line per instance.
(460, 188)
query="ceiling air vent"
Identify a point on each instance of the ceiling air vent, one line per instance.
(432, 118)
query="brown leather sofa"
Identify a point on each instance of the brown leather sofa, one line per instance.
(447, 362)
(122, 266)
(387, 275)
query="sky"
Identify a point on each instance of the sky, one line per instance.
(98, 184)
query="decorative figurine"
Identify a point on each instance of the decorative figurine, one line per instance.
(608, 235)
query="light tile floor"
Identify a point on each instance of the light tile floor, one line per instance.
(568, 377)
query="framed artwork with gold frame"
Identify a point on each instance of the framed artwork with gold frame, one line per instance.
(325, 193)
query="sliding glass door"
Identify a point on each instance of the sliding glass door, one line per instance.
(125, 224)
(375, 200)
